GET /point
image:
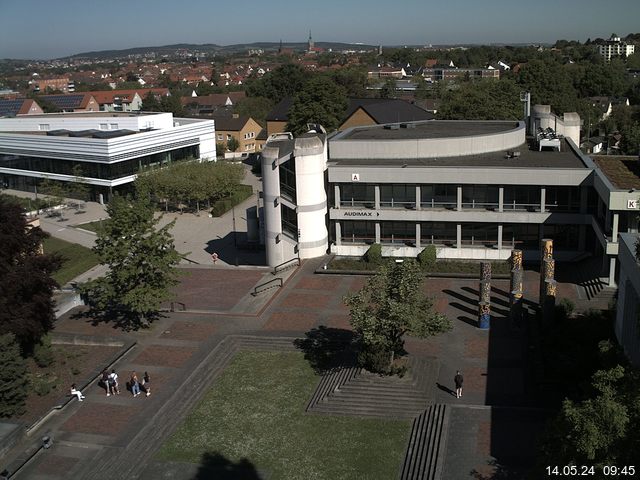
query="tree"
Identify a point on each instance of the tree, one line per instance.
(320, 101)
(141, 260)
(150, 103)
(78, 187)
(26, 286)
(233, 144)
(388, 89)
(482, 100)
(255, 107)
(13, 377)
(284, 81)
(390, 305)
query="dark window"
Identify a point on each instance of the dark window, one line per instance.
(438, 233)
(398, 232)
(289, 222)
(287, 172)
(358, 232)
(398, 195)
(357, 195)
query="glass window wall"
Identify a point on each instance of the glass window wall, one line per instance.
(398, 195)
(289, 222)
(562, 199)
(357, 195)
(438, 233)
(522, 197)
(358, 232)
(287, 173)
(522, 236)
(398, 233)
(479, 234)
(438, 196)
(480, 196)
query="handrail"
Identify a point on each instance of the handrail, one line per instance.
(273, 280)
(285, 265)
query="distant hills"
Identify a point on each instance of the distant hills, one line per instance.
(213, 48)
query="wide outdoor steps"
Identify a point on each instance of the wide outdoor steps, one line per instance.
(427, 442)
(354, 391)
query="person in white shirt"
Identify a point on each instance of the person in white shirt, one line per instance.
(76, 392)
(113, 382)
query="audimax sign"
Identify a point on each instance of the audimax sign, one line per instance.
(360, 213)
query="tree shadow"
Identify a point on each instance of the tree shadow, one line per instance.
(215, 466)
(326, 348)
(125, 321)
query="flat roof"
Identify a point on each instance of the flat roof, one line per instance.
(622, 171)
(87, 114)
(428, 129)
(529, 157)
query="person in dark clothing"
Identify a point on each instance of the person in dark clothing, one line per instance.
(458, 379)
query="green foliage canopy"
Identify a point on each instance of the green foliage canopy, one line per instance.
(321, 101)
(141, 259)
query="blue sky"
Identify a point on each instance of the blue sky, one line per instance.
(46, 29)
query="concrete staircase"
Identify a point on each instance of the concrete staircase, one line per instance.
(427, 445)
(356, 392)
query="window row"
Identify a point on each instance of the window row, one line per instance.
(524, 197)
(526, 236)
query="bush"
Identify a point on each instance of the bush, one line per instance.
(13, 377)
(43, 354)
(223, 205)
(427, 257)
(374, 254)
(375, 359)
(564, 309)
(42, 384)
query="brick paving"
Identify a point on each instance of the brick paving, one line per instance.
(490, 361)
(165, 356)
(190, 331)
(56, 465)
(215, 288)
(103, 419)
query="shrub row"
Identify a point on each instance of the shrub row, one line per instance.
(223, 205)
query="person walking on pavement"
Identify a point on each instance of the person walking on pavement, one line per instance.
(113, 382)
(146, 379)
(135, 384)
(458, 379)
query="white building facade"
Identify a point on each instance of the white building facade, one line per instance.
(110, 148)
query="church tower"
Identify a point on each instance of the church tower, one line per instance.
(310, 43)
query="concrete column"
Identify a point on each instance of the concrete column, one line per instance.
(543, 199)
(377, 232)
(336, 193)
(501, 199)
(459, 235)
(612, 272)
(616, 221)
(500, 237)
(376, 194)
(459, 199)
(583, 199)
(338, 234)
(417, 235)
(418, 197)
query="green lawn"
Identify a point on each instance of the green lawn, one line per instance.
(78, 259)
(91, 226)
(255, 410)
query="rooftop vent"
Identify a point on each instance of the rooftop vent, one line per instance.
(512, 154)
(392, 126)
(407, 125)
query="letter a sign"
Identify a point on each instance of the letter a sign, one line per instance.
(355, 177)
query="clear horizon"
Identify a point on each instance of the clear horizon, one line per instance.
(55, 32)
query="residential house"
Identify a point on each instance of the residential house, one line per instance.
(614, 47)
(62, 84)
(244, 129)
(386, 72)
(210, 104)
(73, 102)
(377, 111)
(19, 106)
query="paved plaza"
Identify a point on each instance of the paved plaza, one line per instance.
(214, 313)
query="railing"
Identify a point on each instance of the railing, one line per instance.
(438, 204)
(358, 240)
(273, 283)
(357, 203)
(394, 204)
(294, 262)
(182, 307)
(482, 205)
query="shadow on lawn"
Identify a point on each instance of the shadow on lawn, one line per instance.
(326, 348)
(213, 465)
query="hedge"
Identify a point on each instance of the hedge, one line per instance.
(222, 206)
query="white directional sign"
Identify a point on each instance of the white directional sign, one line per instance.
(355, 177)
(632, 204)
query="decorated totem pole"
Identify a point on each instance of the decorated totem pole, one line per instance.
(548, 284)
(517, 289)
(484, 301)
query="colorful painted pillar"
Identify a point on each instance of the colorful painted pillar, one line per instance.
(517, 289)
(484, 300)
(548, 284)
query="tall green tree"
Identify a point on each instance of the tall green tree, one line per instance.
(482, 100)
(284, 81)
(388, 89)
(390, 305)
(13, 377)
(141, 259)
(233, 144)
(320, 101)
(255, 107)
(26, 286)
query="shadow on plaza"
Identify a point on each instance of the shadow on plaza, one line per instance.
(233, 249)
(120, 320)
(516, 421)
(326, 348)
(216, 466)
